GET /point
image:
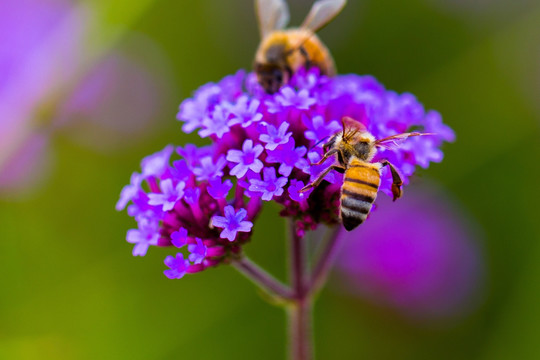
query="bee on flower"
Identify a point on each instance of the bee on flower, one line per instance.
(274, 136)
(269, 148)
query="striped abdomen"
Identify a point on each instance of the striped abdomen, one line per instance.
(360, 186)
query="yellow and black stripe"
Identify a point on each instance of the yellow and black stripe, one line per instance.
(359, 190)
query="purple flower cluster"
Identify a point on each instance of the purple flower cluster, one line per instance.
(262, 147)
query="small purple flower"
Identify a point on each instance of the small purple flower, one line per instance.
(270, 186)
(197, 251)
(308, 79)
(129, 191)
(193, 154)
(287, 97)
(208, 169)
(218, 189)
(275, 137)
(433, 124)
(178, 266)
(317, 129)
(156, 164)
(146, 235)
(140, 208)
(192, 111)
(245, 111)
(191, 196)
(232, 86)
(244, 183)
(180, 170)
(169, 195)
(218, 124)
(179, 238)
(289, 157)
(247, 159)
(190, 153)
(294, 191)
(232, 223)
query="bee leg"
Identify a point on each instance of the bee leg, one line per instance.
(306, 57)
(396, 180)
(326, 156)
(322, 176)
(329, 144)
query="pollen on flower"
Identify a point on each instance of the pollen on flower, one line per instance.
(205, 200)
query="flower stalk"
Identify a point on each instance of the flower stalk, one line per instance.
(262, 279)
(298, 298)
(325, 261)
(300, 311)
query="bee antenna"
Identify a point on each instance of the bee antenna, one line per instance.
(318, 142)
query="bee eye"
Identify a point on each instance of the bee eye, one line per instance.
(278, 76)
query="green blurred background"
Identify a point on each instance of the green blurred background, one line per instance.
(70, 289)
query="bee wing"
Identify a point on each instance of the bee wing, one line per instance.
(391, 144)
(272, 15)
(322, 12)
(395, 141)
(350, 123)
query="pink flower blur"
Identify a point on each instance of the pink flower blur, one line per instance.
(417, 255)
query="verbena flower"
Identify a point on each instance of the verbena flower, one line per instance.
(232, 223)
(168, 196)
(270, 186)
(261, 148)
(146, 235)
(275, 136)
(246, 159)
(178, 266)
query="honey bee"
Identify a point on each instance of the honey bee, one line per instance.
(354, 148)
(283, 51)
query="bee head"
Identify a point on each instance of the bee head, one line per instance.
(271, 76)
(365, 146)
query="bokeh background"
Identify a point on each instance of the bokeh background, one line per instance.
(88, 88)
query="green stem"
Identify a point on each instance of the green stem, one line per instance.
(262, 279)
(300, 330)
(325, 260)
(300, 311)
(304, 286)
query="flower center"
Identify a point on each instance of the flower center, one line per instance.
(233, 224)
(249, 158)
(271, 187)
